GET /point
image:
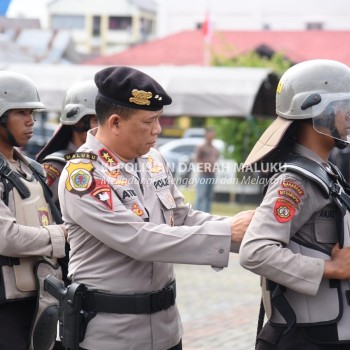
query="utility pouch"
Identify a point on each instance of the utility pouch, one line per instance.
(73, 320)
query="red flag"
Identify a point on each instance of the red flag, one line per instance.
(207, 28)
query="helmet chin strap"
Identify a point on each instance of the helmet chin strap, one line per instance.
(11, 139)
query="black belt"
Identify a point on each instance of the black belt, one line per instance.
(146, 303)
(8, 261)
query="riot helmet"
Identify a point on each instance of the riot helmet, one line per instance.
(318, 90)
(79, 101)
(17, 91)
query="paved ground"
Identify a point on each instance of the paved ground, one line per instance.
(219, 310)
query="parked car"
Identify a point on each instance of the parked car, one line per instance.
(42, 132)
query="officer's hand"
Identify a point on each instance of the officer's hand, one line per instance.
(339, 266)
(65, 232)
(239, 225)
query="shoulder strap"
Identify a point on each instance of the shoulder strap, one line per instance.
(311, 170)
(6, 172)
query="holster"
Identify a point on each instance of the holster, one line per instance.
(73, 320)
(44, 327)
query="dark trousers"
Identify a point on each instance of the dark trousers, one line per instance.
(176, 347)
(15, 324)
(271, 338)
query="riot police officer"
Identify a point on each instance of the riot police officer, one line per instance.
(77, 117)
(299, 238)
(28, 234)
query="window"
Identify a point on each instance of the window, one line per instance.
(119, 23)
(68, 22)
(96, 26)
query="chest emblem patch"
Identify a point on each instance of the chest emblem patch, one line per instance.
(79, 178)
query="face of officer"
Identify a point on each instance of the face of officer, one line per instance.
(342, 120)
(20, 124)
(133, 136)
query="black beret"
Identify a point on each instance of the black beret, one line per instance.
(130, 87)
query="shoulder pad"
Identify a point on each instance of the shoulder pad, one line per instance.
(57, 156)
(37, 167)
(311, 170)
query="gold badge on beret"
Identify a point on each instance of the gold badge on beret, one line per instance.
(140, 97)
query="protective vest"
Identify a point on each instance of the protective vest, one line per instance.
(330, 307)
(23, 278)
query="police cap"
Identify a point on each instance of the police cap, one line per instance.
(130, 87)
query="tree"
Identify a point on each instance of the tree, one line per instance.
(241, 134)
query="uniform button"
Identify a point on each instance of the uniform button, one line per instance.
(221, 251)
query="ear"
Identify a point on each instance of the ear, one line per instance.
(114, 122)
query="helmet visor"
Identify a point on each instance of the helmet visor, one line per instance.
(332, 116)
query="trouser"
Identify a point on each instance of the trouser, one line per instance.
(176, 347)
(15, 324)
(205, 193)
(272, 338)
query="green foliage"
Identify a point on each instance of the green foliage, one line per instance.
(242, 134)
(278, 63)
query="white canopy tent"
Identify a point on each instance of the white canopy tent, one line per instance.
(196, 91)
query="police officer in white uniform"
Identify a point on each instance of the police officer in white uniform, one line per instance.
(295, 237)
(128, 223)
(26, 220)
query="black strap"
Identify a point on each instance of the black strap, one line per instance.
(11, 176)
(147, 303)
(8, 261)
(47, 193)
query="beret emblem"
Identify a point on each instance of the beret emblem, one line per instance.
(140, 97)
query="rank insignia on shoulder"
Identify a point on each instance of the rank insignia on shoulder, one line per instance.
(107, 157)
(79, 179)
(283, 210)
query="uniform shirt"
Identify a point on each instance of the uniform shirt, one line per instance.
(20, 240)
(124, 238)
(293, 206)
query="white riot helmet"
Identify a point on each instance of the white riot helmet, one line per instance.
(16, 92)
(79, 101)
(320, 90)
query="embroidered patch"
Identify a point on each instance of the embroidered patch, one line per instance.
(52, 173)
(107, 157)
(137, 210)
(292, 185)
(283, 210)
(79, 178)
(140, 97)
(290, 195)
(102, 193)
(43, 216)
(156, 169)
(80, 155)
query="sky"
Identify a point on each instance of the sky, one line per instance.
(29, 9)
